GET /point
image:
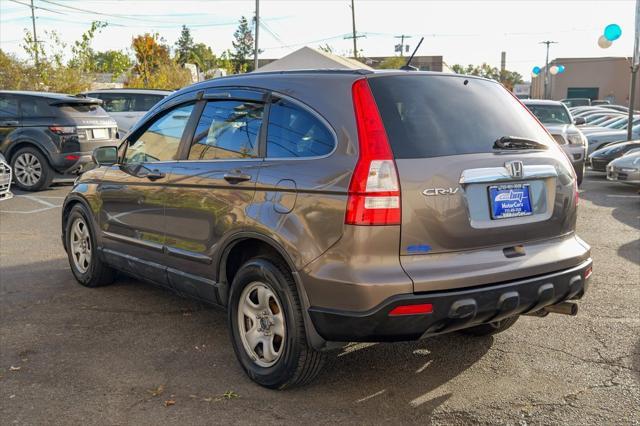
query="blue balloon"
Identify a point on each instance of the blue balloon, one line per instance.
(560, 69)
(536, 70)
(612, 32)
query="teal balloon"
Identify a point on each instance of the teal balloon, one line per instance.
(536, 70)
(560, 69)
(612, 32)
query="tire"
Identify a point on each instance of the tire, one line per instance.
(290, 361)
(580, 173)
(31, 170)
(80, 241)
(491, 328)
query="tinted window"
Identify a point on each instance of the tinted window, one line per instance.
(8, 107)
(294, 132)
(161, 140)
(551, 114)
(34, 107)
(144, 102)
(430, 116)
(112, 102)
(227, 129)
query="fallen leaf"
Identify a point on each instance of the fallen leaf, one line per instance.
(157, 391)
(230, 395)
(12, 368)
(193, 396)
(169, 402)
(209, 399)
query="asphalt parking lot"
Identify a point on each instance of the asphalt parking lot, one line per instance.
(131, 353)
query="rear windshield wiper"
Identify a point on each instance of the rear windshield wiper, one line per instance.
(513, 142)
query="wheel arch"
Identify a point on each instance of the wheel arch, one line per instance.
(246, 245)
(72, 200)
(27, 143)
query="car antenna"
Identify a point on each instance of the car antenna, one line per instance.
(408, 66)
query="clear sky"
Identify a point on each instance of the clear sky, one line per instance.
(462, 32)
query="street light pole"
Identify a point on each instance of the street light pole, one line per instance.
(546, 67)
(353, 24)
(634, 71)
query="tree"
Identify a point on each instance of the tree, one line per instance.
(114, 62)
(16, 74)
(244, 47)
(327, 48)
(203, 56)
(184, 46)
(508, 78)
(393, 62)
(83, 55)
(150, 55)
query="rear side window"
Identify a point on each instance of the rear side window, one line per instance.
(432, 116)
(35, 107)
(227, 129)
(144, 102)
(294, 132)
(8, 107)
(112, 102)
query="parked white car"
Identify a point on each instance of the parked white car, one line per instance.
(5, 179)
(127, 106)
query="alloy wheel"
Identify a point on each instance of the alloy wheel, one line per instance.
(27, 169)
(80, 241)
(261, 324)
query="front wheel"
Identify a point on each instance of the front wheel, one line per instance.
(80, 240)
(267, 327)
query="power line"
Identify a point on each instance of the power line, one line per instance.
(38, 7)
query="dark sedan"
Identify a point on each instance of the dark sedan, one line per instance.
(599, 159)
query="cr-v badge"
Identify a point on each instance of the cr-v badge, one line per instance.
(440, 191)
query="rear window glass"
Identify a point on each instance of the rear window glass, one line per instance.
(81, 109)
(432, 116)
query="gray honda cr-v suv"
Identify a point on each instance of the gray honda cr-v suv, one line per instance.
(323, 207)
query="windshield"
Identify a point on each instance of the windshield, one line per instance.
(438, 115)
(551, 114)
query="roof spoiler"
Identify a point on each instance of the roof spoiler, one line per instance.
(77, 99)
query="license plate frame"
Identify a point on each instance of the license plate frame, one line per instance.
(100, 134)
(511, 200)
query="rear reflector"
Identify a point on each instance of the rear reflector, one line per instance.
(62, 130)
(374, 191)
(588, 272)
(72, 157)
(425, 308)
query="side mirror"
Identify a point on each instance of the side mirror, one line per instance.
(105, 155)
(578, 121)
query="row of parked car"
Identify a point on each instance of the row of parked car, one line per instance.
(47, 134)
(593, 136)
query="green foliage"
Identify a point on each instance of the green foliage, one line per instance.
(508, 78)
(244, 47)
(392, 63)
(203, 56)
(115, 62)
(154, 68)
(184, 46)
(83, 55)
(16, 74)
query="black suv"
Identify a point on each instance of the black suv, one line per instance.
(46, 133)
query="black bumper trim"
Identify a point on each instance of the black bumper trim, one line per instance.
(452, 310)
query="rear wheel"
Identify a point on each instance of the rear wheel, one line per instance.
(491, 328)
(267, 327)
(86, 265)
(31, 169)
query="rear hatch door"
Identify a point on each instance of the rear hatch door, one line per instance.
(462, 191)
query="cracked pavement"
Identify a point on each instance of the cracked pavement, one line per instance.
(132, 353)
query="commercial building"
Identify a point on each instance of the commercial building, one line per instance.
(595, 78)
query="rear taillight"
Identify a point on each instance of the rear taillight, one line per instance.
(374, 191)
(63, 130)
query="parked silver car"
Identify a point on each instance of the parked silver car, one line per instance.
(557, 119)
(127, 106)
(599, 140)
(625, 169)
(5, 179)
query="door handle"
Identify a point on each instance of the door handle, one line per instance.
(236, 177)
(153, 175)
(9, 123)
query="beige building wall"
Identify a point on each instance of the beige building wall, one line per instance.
(611, 76)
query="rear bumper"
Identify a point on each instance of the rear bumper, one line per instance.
(452, 310)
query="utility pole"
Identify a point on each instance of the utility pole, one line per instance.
(402, 37)
(634, 72)
(255, 52)
(355, 36)
(35, 37)
(546, 67)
